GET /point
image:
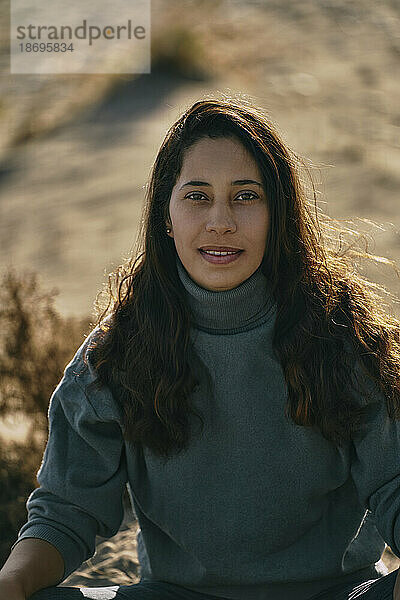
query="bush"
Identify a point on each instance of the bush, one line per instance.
(36, 343)
(18, 465)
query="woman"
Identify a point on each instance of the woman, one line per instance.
(244, 381)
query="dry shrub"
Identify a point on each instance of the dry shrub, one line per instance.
(36, 343)
(18, 465)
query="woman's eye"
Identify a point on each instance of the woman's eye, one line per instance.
(190, 196)
(250, 196)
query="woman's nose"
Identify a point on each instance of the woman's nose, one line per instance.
(220, 219)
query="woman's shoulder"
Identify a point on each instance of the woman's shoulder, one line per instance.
(81, 383)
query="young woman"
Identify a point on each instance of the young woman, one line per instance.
(243, 381)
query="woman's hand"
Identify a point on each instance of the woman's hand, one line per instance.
(396, 589)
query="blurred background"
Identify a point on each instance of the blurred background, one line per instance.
(76, 152)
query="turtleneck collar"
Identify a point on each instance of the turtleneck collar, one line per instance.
(229, 311)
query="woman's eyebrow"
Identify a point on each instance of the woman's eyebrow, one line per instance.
(237, 182)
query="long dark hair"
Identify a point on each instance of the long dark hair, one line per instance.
(328, 317)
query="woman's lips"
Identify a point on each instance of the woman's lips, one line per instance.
(220, 260)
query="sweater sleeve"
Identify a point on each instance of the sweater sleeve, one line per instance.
(83, 472)
(375, 466)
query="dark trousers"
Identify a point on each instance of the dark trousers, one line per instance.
(144, 590)
(374, 589)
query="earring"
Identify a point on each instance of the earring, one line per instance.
(168, 229)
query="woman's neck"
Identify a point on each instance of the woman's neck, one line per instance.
(239, 308)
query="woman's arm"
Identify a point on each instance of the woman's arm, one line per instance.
(33, 564)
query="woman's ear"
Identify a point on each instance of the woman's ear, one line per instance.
(169, 229)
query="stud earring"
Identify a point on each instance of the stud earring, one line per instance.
(168, 229)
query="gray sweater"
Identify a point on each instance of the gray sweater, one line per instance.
(257, 508)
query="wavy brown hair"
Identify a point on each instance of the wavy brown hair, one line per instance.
(329, 319)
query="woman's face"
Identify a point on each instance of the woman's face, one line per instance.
(219, 202)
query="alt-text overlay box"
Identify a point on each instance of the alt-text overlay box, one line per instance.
(80, 37)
